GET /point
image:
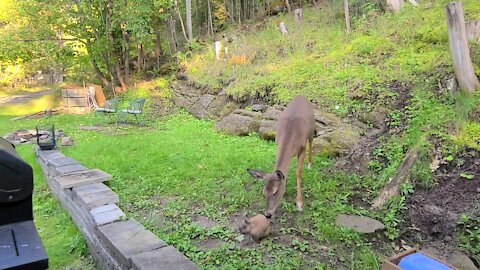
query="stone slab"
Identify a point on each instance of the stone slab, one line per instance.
(94, 195)
(69, 169)
(359, 224)
(128, 238)
(82, 178)
(168, 258)
(49, 154)
(106, 214)
(62, 161)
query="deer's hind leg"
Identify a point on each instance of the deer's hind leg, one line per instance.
(301, 158)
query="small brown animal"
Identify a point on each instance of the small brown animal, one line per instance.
(258, 227)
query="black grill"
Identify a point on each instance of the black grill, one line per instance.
(20, 245)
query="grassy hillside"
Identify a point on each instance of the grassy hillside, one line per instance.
(398, 63)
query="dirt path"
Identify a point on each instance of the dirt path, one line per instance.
(17, 99)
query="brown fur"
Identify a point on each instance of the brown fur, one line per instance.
(258, 227)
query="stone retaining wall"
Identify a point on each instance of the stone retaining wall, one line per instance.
(114, 241)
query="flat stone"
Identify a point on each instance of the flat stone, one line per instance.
(106, 214)
(163, 258)
(259, 107)
(69, 169)
(94, 195)
(359, 224)
(67, 141)
(62, 161)
(128, 238)
(82, 178)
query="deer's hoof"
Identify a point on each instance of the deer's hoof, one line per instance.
(299, 207)
(309, 166)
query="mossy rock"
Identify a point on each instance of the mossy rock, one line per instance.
(337, 142)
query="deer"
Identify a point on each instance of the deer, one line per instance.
(295, 127)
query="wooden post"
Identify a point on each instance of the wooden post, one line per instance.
(298, 13)
(473, 30)
(459, 51)
(283, 28)
(394, 5)
(347, 15)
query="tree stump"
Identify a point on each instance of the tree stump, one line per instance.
(459, 51)
(283, 28)
(394, 5)
(473, 30)
(298, 13)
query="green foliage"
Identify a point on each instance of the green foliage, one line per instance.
(470, 235)
(469, 135)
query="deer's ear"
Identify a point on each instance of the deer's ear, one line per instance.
(256, 174)
(279, 175)
(247, 221)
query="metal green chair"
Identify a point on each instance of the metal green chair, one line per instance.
(135, 107)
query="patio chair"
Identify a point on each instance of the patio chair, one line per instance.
(110, 107)
(135, 107)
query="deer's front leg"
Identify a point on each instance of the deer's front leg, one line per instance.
(301, 157)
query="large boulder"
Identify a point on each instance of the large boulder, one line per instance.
(337, 142)
(267, 129)
(240, 122)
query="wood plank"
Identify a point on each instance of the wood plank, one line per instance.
(76, 102)
(82, 178)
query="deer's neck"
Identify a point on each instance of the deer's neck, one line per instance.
(284, 158)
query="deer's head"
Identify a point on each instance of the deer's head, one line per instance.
(274, 188)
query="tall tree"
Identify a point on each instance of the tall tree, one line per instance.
(188, 10)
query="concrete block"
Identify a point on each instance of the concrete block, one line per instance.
(168, 258)
(94, 195)
(62, 161)
(82, 178)
(106, 214)
(68, 169)
(128, 238)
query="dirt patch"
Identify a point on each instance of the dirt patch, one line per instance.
(436, 211)
(208, 243)
(204, 222)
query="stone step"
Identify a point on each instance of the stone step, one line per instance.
(128, 238)
(94, 195)
(82, 178)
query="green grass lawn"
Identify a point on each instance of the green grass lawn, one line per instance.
(177, 170)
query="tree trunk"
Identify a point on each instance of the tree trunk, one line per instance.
(140, 58)
(181, 20)
(234, 10)
(173, 36)
(188, 8)
(98, 72)
(158, 48)
(394, 5)
(210, 20)
(459, 51)
(289, 9)
(126, 55)
(347, 15)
